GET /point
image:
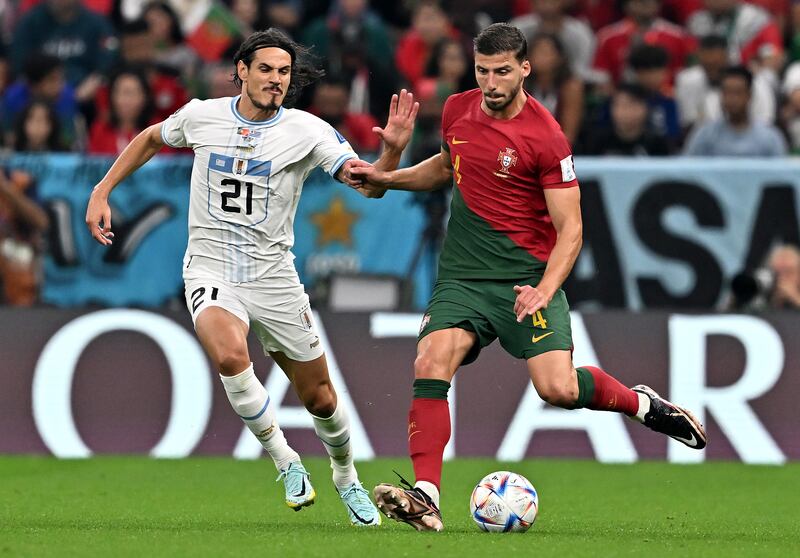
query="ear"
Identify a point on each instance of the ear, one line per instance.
(526, 68)
(241, 70)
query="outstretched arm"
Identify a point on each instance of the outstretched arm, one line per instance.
(140, 150)
(564, 207)
(430, 174)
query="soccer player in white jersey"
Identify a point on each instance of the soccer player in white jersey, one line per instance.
(251, 157)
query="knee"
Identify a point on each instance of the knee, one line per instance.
(231, 362)
(558, 395)
(320, 401)
(428, 368)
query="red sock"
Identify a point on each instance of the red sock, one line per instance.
(428, 433)
(610, 394)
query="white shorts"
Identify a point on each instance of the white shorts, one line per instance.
(277, 310)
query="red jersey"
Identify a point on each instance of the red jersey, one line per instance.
(499, 225)
(615, 41)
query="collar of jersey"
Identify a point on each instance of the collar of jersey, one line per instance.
(269, 122)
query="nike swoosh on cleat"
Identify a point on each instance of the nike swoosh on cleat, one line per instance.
(358, 517)
(691, 442)
(302, 487)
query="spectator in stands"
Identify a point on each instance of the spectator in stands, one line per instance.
(790, 110)
(549, 16)
(629, 133)
(450, 68)
(330, 103)
(679, 11)
(736, 134)
(22, 225)
(137, 49)
(217, 81)
(552, 83)
(754, 38)
(130, 112)
(43, 80)
(429, 25)
(249, 14)
(784, 263)
(356, 48)
(642, 25)
(597, 13)
(649, 66)
(37, 129)
(83, 40)
(697, 88)
(171, 50)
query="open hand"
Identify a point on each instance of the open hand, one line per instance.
(400, 124)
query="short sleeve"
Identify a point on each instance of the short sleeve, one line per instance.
(331, 150)
(173, 129)
(556, 168)
(447, 120)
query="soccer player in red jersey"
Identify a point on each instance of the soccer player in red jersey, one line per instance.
(514, 234)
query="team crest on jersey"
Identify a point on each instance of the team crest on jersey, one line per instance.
(240, 167)
(507, 159)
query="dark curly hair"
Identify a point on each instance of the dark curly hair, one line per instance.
(304, 70)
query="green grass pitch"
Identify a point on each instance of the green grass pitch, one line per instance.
(129, 506)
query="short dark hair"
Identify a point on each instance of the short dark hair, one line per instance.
(134, 27)
(634, 90)
(648, 57)
(713, 42)
(40, 65)
(304, 71)
(740, 72)
(502, 37)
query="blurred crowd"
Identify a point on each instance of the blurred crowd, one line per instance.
(622, 77)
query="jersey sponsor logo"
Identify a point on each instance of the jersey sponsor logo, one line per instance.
(458, 141)
(249, 137)
(567, 169)
(507, 159)
(536, 339)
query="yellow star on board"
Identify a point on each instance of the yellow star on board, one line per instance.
(335, 223)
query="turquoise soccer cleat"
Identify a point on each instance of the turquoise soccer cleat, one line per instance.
(360, 508)
(299, 492)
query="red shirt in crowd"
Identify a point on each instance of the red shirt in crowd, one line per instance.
(615, 41)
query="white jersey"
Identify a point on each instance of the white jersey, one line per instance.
(246, 182)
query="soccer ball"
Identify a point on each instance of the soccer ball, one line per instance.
(503, 502)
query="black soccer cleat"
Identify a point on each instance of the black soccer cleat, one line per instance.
(408, 504)
(676, 422)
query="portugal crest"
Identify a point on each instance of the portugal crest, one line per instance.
(507, 159)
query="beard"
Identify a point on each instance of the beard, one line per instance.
(501, 103)
(273, 104)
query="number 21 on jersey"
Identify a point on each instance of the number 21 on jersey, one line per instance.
(238, 189)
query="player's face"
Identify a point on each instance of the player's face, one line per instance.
(267, 79)
(500, 78)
